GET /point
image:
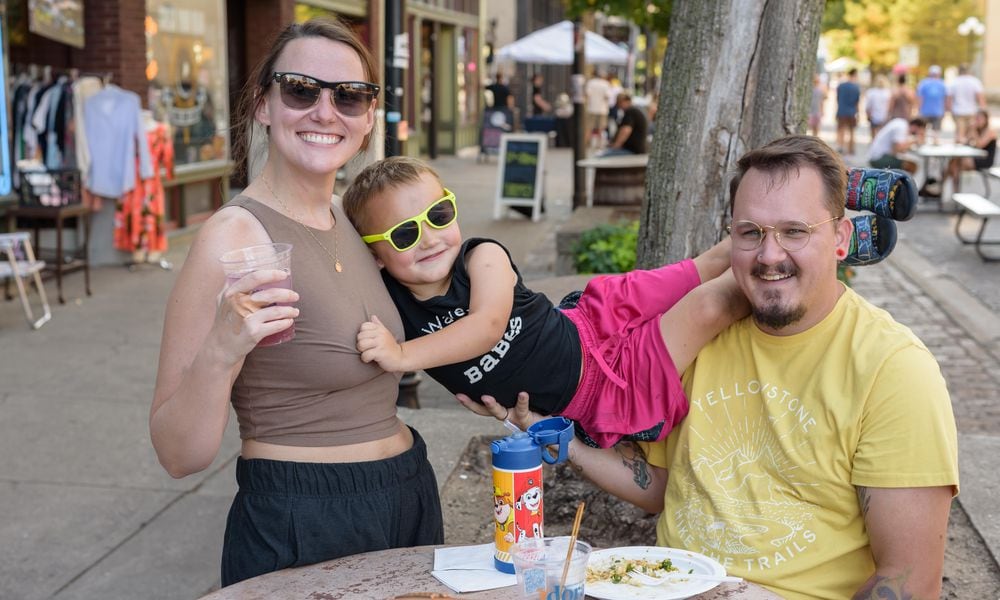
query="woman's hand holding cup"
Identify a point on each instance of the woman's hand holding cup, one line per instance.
(250, 310)
(254, 308)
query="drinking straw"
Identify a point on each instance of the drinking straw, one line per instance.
(572, 544)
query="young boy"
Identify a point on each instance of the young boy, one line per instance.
(611, 363)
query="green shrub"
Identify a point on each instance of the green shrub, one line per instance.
(607, 248)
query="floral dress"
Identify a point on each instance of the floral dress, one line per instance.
(139, 214)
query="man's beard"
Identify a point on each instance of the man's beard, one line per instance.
(775, 316)
(772, 314)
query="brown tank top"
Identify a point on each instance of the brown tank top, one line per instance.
(314, 390)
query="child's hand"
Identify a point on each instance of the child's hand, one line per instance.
(377, 344)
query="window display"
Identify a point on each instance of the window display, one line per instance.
(186, 70)
(467, 79)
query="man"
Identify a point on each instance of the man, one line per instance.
(896, 137)
(932, 94)
(819, 453)
(595, 92)
(502, 98)
(630, 137)
(848, 96)
(965, 97)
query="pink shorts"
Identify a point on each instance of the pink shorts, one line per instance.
(629, 383)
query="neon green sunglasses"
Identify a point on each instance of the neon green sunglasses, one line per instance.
(406, 235)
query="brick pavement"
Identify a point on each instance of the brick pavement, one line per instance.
(972, 372)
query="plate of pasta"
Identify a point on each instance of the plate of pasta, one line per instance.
(607, 573)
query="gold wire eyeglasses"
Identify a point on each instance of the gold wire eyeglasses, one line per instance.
(790, 235)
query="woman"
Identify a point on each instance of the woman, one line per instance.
(816, 105)
(981, 137)
(326, 468)
(877, 100)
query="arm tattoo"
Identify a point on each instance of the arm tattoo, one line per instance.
(880, 587)
(864, 500)
(635, 460)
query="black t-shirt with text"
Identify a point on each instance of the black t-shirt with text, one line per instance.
(538, 353)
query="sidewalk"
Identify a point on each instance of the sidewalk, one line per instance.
(88, 512)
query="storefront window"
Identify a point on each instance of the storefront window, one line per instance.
(467, 82)
(186, 69)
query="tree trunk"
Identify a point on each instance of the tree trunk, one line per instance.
(736, 75)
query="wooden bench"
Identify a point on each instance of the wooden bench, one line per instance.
(977, 206)
(615, 180)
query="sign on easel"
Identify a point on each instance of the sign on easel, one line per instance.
(519, 178)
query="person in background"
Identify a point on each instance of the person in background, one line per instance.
(902, 100)
(817, 459)
(816, 104)
(630, 137)
(595, 93)
(614, 114)
(539, 106)
(981, 136)
(895, 138)
(965, 97)
(502, 98)
(877, 104)
(653, 106)
(326, 468)
(848, 97)
(933, 97)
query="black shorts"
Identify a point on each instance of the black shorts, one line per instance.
(290, 514)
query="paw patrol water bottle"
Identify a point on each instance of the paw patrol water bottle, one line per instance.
(517, 483)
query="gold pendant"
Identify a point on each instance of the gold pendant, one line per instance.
(337, 267)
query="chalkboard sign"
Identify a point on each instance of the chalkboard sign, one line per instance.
(520, 173)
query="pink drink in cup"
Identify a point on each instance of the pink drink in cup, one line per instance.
(239, 263)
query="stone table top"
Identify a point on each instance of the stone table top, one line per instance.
(397, 572)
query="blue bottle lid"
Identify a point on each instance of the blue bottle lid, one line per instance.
(516, 452)
(523, 450)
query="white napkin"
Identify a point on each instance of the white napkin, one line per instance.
(469, 569)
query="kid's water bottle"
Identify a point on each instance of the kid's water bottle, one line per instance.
(517, 483)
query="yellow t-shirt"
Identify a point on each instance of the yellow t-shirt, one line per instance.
(780, 431)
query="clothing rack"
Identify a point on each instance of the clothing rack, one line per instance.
(46, 73)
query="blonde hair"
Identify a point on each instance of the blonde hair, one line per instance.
(375, 179)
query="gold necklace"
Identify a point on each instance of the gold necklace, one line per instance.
(336, 250)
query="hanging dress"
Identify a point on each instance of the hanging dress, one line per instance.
(139, 214)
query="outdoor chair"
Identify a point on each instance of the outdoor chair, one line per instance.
(20, 263)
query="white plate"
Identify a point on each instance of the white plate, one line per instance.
(682, 559)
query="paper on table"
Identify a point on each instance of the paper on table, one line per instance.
(469, 569)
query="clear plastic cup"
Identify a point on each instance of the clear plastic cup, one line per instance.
(239, 263)
(539, 564)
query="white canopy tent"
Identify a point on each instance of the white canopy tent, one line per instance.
(553, 45)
